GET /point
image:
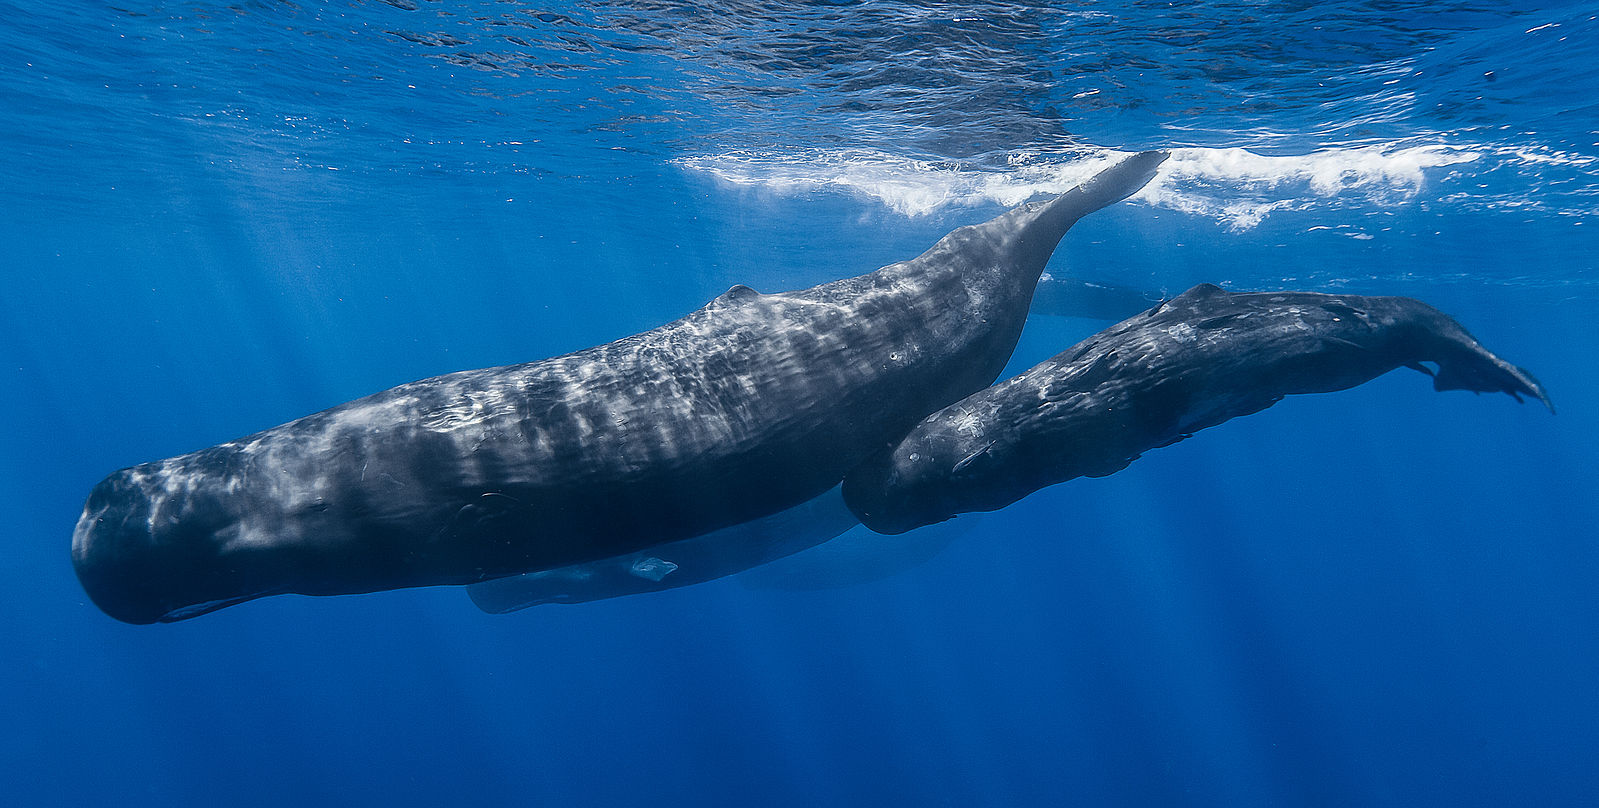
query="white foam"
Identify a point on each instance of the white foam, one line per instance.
(1242, 188)
(910, 186)
(1235, 186)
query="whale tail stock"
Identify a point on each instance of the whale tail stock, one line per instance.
(1041, 225)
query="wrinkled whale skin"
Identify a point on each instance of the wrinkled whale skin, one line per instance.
(750, 405)
(1192, 362)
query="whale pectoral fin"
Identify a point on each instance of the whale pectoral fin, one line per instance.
(517, 592)
(1417, 366)
(704, 557)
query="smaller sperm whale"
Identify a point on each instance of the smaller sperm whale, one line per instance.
(1192, 362)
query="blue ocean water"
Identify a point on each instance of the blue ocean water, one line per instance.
(219, 217)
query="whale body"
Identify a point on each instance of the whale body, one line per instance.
(748, 406)
(1187, 364)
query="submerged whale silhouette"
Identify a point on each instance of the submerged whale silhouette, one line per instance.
(748, 406)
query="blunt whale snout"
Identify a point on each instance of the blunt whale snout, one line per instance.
(114, 551)
(148, 552)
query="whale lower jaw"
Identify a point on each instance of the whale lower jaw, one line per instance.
(197, 609)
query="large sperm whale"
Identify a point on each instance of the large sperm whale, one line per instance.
(750, 405)
(1192, 362)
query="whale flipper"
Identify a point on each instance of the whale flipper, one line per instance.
(675, 564)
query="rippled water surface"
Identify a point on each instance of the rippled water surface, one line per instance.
(220, 217)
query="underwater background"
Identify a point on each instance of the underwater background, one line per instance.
(215, 218)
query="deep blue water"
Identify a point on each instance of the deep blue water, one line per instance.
(217, 218)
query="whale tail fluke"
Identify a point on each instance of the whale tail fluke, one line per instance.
(1478, 370)
(1464, 364)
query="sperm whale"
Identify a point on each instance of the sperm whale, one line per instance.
(748, 406)
(1190, 363)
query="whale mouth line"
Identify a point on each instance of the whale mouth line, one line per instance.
(206, 607)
